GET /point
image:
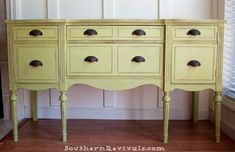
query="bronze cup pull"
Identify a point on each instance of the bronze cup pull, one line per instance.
(91, 59)
(35, 63)
(194, 32)
(138, 32)
(35, 33)
(90, 32)
(138, 59)
(194, 63)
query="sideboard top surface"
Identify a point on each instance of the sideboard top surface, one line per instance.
(118, 21)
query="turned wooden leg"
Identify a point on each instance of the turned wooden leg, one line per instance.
(166, 102)
(217, 110)
(63, 108)
(195, 106)
(34, 105)
(14, 114)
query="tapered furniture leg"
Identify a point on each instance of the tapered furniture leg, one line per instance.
(14, 114)
(217, 109)
(195, 106)
(166, 102)
(63, 108)
(34, 105)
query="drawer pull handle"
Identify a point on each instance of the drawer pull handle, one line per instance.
(35, 63)
(194, 32)
(138, 32)
(194, 63)
(90, 32)
(91, 59)
(35, 33)
(138, 59)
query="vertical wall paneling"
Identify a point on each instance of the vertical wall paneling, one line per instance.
(29, 9)
(190, 9)
(80, 9)
(52, 9)
(136, 9)
(164, 11)
(109, 99)
(108, 9)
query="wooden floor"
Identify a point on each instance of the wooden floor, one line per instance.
(44, 136)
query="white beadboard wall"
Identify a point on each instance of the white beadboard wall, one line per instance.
(85, 102)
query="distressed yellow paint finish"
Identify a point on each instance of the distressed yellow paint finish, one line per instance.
(184, 53)
(48, 55)
(207, 33)
(76, 54)
(166, 47)
(77, 32)
(22, 32)
(151, 54)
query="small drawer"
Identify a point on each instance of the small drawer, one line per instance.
(35, 33)
(142, 59)
(36, 63)
(141, 32)
(194, 33)
(193, 63)
(89, 32)
(83, 59)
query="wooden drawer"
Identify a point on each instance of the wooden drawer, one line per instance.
(35, 33)
(89, 32)
(36, 63)
(85, 59)
(141, 32)
(142, 59)
(194, 33)
(193, 63)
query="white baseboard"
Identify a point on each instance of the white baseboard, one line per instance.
(125, 114)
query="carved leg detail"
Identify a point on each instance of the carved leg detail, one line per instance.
(63, 107)
(166, 102)
(217, 109)
(14, 114)
(34, 105)
(195, 106)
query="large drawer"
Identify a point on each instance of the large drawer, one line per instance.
(36, 63)
(193, 63)
(141, 32)
(89, 59)
(89, 32)
(140, 59)
(35, 33)
(194, 33)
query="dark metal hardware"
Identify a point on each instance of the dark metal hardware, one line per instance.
(35, 33)
(90, 32)
(138, 59)
(138, 32)
(194, 32)
(35, 63)
(194, 63)
(91, 59)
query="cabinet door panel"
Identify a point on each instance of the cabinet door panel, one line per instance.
(36, 63)
(89, 59)
(142, 59)
(193, 63)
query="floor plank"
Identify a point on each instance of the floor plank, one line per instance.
(44, 136)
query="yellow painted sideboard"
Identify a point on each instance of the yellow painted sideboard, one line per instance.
(116, 55)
